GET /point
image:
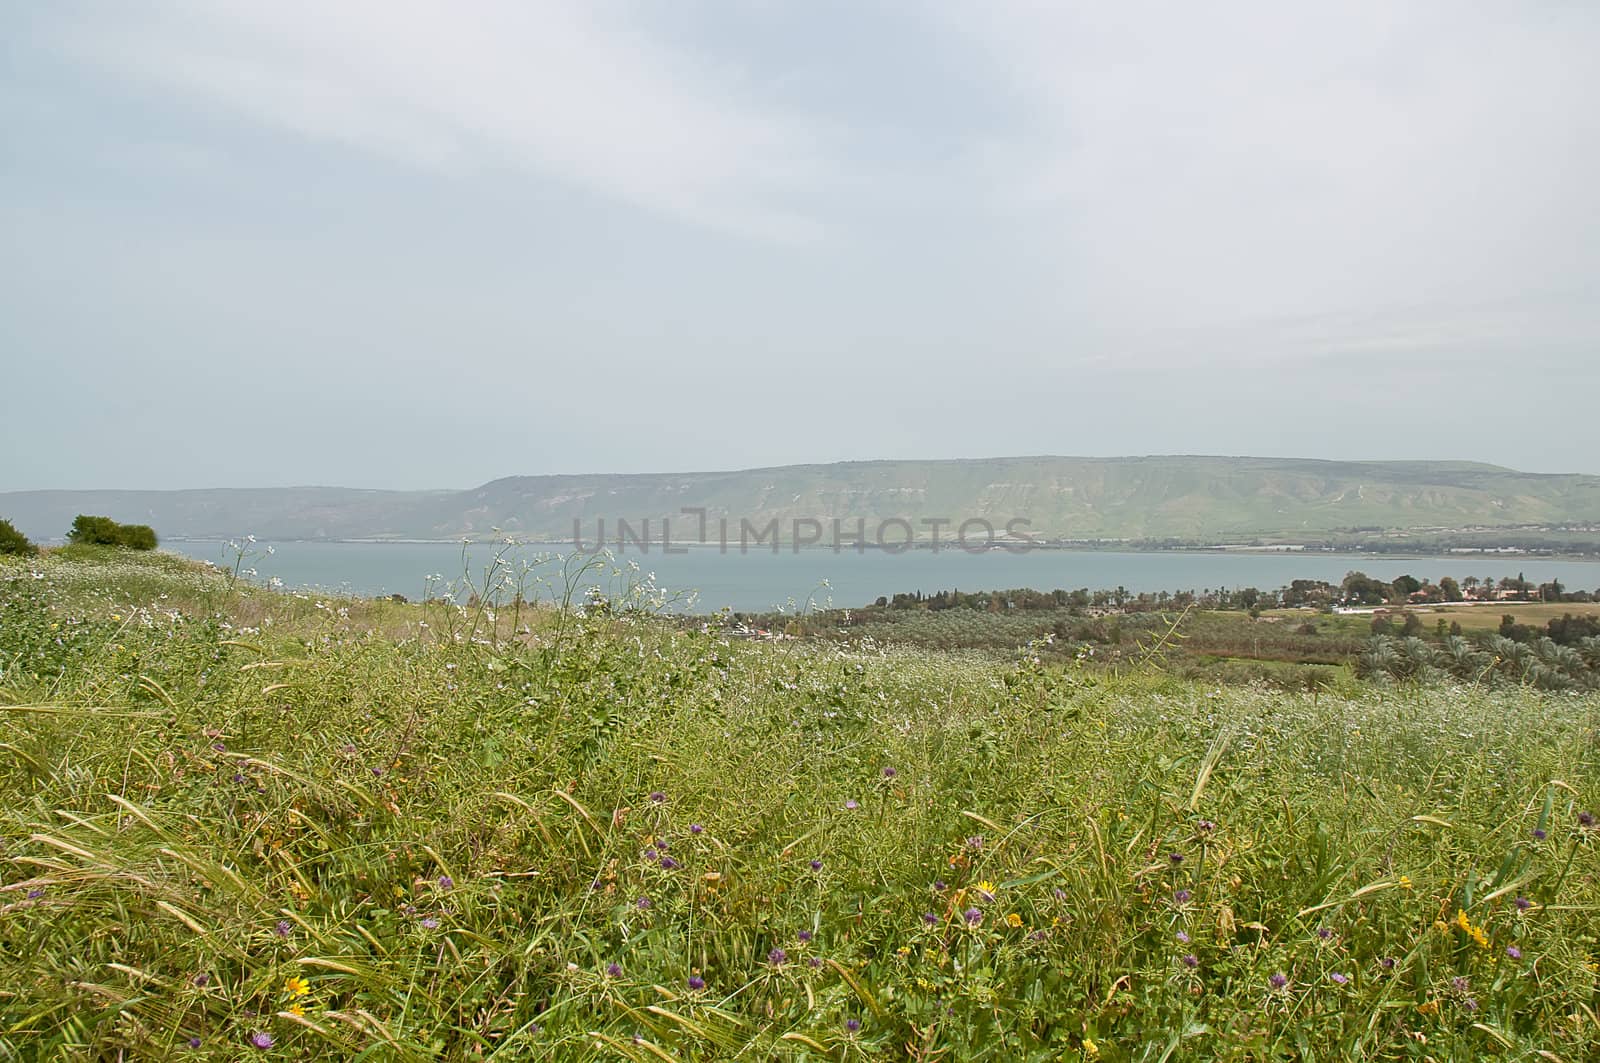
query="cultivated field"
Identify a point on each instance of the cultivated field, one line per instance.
(238, 823)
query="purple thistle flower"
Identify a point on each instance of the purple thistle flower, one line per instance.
(1175, 858)
(852, 804)
(1324, 933)
(35, 893)
(642, 903)
(1459, 984)
(804, 935)
(777, 957)
(1514, 952)
(695, 828)
(696, 982)
(1523, 904)
(1191, 961)
(650, 854)
(973, 916)
(657, 797)
(939, 886)
(1585, 819)
(446, 882)
(219, 747)
(1206, 825)
(975, 842)
(888, 773)
(669, 864)
(1339, 979)
(262, 1040)
(815, 961)
(1470, 1004)
(202, 979)
(377, 773)
(1279, 980)
(428, 922)
(614, 969)
(193, 1042)
(1183, 939)
(1539, 835)
(282, 929)
(1182, 896)
(853, 1025)
(1387, 963)
(929, 918)
(816, 865)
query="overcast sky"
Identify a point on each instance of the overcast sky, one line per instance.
(403, 244)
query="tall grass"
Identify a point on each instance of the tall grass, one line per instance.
(263, 824)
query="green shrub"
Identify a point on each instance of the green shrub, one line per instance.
(103, 531)
(13, 541)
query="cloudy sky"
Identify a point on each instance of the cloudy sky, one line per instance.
(403, 244)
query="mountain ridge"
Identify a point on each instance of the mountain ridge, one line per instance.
(1190, 497)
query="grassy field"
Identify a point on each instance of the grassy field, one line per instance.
(238, 823)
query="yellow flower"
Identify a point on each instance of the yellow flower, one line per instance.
(296, 1009)
(1013, 920)
(986, 887)
(1428, 1008)
(1090, 1049)
(297, 987)
(1405, 882)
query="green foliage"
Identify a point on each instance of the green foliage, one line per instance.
(103, 531)
(14, 542)
(440, 836)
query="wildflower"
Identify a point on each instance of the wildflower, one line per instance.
(650, 855)
(1090, 1048)
(1470, 1004)
(1279, 980)
(1585, 819)
(816, 865)
(975, 842)
(614, 969)
(804, 935)
(1459, 984)
(428, 922)
(851, 805)
(1514, 952)
(1523, 904)
(282, 929)
(1539, 834)
(852, 1025)
(296, 1009)
(202, 979)
(939, 886)
(219, 747)
(642, 903)
(929, 918)
(973, 916)
(1183, 939)
(888, 773)
(1175, 858)
(446, 882)
(695, 828)
(262, 1040)
(696, 983)
(296, 986)
(658, 797)
(35, 893)
(814, 962)
(1428, 1007)
(777, 957)
(1324, 933)
(1387, 963)
(1191, 961)
(1182, 896)
(1405, 882)
(1339, 979)
(194, 1042)
(1013, 920)
(1206, 825)
(986, 890)
(669, 864)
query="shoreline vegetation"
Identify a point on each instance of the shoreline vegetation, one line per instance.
(236, 821)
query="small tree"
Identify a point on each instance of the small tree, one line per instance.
(13, 541)
(103, 531)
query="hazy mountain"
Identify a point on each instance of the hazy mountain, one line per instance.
(1210, 498)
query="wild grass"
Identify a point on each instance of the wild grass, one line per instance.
(256, 824)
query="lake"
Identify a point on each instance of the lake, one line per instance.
(761, 580)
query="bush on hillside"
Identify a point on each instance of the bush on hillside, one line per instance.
(103, 531)
(13, 541)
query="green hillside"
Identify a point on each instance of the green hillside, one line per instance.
(1195, 498)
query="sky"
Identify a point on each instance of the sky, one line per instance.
(399, 244)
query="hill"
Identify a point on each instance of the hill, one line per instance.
(1206, 499)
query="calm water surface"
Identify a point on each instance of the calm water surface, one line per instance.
(763, 580)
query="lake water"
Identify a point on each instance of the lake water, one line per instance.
(761, 580)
